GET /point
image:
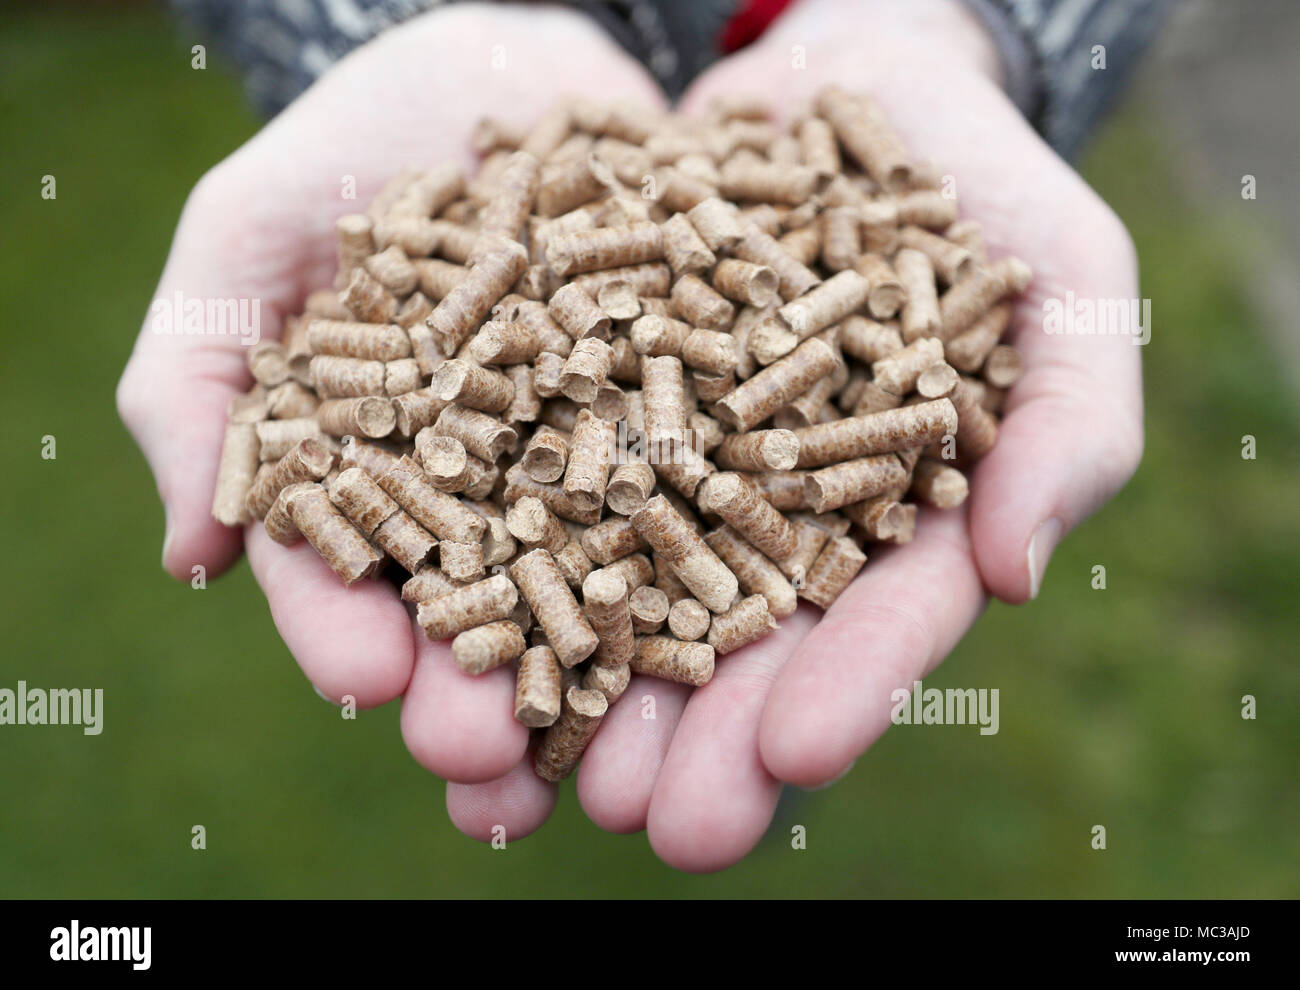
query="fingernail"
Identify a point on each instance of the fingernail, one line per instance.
(325, 697)
(834, 780)
(167, 536)
(1041, 545)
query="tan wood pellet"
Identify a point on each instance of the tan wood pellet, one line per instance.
(540, 373)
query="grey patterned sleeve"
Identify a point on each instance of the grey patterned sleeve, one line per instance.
(283, 46)
(1067, 61)
(1049, 47)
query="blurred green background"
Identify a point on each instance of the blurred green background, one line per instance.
(1119, 707)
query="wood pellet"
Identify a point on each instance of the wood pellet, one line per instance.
(621, 401)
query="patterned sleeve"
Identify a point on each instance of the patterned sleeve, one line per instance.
(1053, 52)
(283, 46)
(1048, 46)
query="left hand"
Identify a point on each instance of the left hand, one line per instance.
(799, 706)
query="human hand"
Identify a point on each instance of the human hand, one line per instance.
(799, 706)
(260, 226)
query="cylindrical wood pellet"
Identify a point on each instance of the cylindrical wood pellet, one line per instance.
(835, 567)
(649, 609)
(366, 416)
(591, 452)
(661, 526)
(557, 611)
(537, 688)
(774, 386)
(486, 647)
(310, 460)
(662, 392)
(635, 569)
(852, 481)
(756, 574)
(939, 484)
(472, 386)
(483, 436)
(920, 314)
(338, 542)
(609, 681)
(605, 598)
(898, 372)
(878, 433)
(361, 499)
(673, 660)
(441, 514)
(427, 584)
(546, 454)
(586, 369)
(534, 525)
(688, 619)
(461, 561)
(239, 459)
(564, 742)
(740, 505)
(629, 486)
(577, 313)
(746, 621)
(469, 606)
(611, 539)
(759, 450)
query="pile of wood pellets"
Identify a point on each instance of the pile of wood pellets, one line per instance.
(620, 400)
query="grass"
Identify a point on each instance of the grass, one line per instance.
(1119, 707)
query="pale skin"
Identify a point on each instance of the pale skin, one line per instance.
(800, 706)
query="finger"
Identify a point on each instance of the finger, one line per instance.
(511, 807)
(618, 772)
(459, 727)
(713, 783)
(347, 640)
(223, 290)
(177, 415)
(895, 622)
(1071, 437)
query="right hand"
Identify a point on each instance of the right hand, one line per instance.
(260, 225)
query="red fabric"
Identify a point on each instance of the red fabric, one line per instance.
(750, 21)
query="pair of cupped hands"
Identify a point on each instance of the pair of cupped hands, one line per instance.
(702, 776)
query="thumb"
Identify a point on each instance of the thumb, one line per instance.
(174, 400)
(183, 371)
(1071, 438)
